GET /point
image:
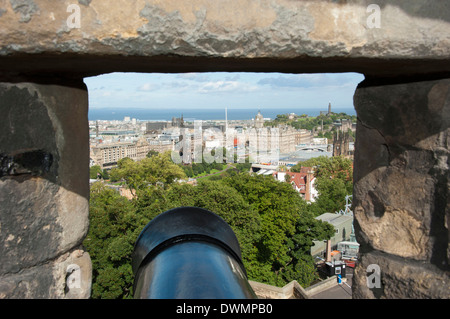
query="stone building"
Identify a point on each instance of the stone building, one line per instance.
(178, 121)
(303, 136)
(259, 120)
(161, 146)
(287, 139)
(343, 125)
(155, 127)
(106, 155)
(279, 140)
(341, 145)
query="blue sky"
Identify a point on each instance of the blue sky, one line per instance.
(221, 89)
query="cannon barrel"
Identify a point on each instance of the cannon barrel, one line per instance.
(189, 253)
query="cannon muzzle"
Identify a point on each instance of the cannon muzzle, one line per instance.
(189, 253)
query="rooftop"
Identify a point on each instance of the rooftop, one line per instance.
(334, 219)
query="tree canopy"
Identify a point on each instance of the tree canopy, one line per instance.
(151, 171)
(309, 123)
(274, 225)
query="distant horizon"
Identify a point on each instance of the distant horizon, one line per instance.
(220, 108)
(149, 114)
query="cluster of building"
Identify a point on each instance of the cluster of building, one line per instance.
(111, 141)
(114, 140)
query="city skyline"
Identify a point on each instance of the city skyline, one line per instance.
(221, 90)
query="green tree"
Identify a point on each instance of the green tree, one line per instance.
(110, 241)
(105, 174)
(301, 265)
(329, 167)
(95, 171)
(224, 201)
(115, 222)
(279, 206)
(332, 192)
(274, 225)
(117, 173)
(335, 167)
(152, 153)
(157, 170)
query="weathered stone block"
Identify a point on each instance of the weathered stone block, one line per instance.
(299, 36)
(43, 179)
(401, 177)
(399, 279)
(69, 277)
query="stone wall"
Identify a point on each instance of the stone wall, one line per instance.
(401, 191)
(226, 35)
(401, 162)
(292, 290)
(43, 189)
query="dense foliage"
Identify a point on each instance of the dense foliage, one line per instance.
(149, 172)
(309, 123)
(95, 172)
(274, 225)
(197, 169)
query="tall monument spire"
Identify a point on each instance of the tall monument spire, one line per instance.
(226, 120)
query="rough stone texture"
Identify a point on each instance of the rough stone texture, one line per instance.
(302, 36)
(43, 182)
(291, 290)
(401, 186)
(400, 279)
(50, 280)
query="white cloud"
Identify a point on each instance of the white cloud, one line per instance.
(322, 80)
(146, 87)
(226, 87)
(198, 77)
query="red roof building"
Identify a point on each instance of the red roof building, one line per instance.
(302, 182)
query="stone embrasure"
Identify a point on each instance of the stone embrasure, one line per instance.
(401, 191)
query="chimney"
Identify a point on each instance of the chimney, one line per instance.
(328, 251)
(309, 177)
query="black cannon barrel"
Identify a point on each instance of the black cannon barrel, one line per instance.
(189, 253)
